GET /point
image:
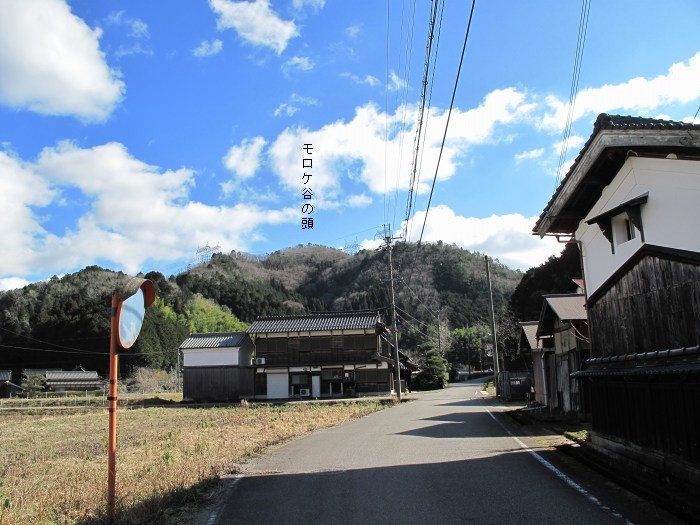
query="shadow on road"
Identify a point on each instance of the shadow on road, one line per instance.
(494, 489)
(457, 425)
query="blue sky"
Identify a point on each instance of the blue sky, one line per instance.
(132, 133)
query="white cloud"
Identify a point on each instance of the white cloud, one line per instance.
(292, 107)
(353, 31)
(285, 109)
(51, 62)
(507, 238)
(137, 27)
(207, 49)
(298, 63)
(244, 160)
(360, 150)
(316, 4)
(359, 201)
(532, 154)
(638, 95)
(134, 49)
(367, 79)
(396, 83)
(135, 212)
(12, 283)
(255, 22)
(22, 192)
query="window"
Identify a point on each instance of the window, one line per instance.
(621, 223)
(629, 230)
(623, 229)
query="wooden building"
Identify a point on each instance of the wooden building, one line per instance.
(563, 335)
(631, 202)
(335, 354)
(530, 345)
(217, 367)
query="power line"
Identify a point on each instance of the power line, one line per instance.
(421, 111)
(40, 340)
(580, 44)
(75, 351)
(444, 135)
(430, 98)
(386, 108)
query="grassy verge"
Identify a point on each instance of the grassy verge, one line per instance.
(53, 468)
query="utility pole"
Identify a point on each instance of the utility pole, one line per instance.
(496, 364)
(397, 369)
(439, 338)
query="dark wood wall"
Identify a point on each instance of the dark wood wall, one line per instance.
(659, 413)
(654, 306)
(217, 383)
(316, 350)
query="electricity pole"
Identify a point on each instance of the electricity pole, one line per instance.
(397, 370)
(496, 364)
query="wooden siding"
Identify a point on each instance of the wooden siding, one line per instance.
(217, 383)
(317, 350)
(657, 414)
(653, 306)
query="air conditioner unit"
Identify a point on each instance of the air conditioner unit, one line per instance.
(260, 360)
(304, 392)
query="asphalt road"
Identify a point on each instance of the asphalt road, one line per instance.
(448, 457)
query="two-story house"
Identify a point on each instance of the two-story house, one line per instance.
(630, 200)
(335, 354)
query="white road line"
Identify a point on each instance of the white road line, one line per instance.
(213, 517)
(566, 479)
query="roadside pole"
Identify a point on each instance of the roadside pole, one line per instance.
(126, 318)
(112, 398)
(496, 364)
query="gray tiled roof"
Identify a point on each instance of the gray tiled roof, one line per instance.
(651, 128)
(75, 375)
(214, 340)
(5, 375)
(315, 322)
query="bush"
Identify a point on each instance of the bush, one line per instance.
(434, 373)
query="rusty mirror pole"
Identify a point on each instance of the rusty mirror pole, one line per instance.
(126, 318)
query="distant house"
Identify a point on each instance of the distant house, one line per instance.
(335, 354)
(529, 344)
(61, 381)
(5, 382)
(217, 366)
(631, 202)
(563, 333)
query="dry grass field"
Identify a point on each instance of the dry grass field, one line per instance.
(53, 467)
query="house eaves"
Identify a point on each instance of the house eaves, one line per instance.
(565, 307)
(614, 137)
(530, 331)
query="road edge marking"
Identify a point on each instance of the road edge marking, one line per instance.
(558, 473)
(214, 516)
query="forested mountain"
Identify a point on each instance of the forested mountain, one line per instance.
(553, 276)
(64, 322)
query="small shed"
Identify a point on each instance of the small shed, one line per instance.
(217, 366)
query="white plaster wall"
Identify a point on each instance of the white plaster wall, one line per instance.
(670, 217)
(210, 357)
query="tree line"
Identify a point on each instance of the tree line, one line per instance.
(441, 297)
